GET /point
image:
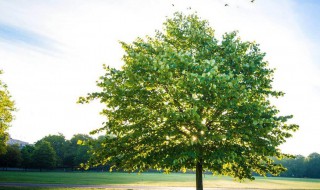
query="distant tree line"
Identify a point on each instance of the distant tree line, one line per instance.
(50, 152)
(302, 167)
(55, 152)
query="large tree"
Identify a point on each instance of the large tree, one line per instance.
(6, 109)
(186, 100)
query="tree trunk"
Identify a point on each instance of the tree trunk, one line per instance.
(199, 182)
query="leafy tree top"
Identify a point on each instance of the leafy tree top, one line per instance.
(44, 155)
(184, 97)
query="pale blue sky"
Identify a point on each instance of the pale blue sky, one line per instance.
(52, 52)
(309, 15)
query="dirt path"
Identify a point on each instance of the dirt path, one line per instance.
(117, 187)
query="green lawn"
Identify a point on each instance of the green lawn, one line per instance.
(151, 179)
(44, 188)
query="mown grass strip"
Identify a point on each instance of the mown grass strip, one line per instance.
(154, 179)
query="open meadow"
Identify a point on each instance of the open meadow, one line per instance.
(149, 180)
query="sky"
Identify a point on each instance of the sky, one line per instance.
(52, 52)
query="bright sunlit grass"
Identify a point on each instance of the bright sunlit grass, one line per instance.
(153, 179)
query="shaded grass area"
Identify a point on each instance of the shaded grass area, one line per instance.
(94, 178)
(36, 188)
(150, 179)
(46, 188)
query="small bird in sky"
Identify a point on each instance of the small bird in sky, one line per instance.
(226, 5)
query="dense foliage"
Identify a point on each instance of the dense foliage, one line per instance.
(58, 143)
(301, 167)
(50, 152)
(44, 156)
(6, 109)
(12, 157)
(184, 100)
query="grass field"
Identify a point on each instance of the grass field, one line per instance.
(45, 188)
(150, 179)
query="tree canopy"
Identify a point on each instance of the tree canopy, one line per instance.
(12, 157)
(58, 143)
(184, 99)
(76, 151)
(27, 156)
(44, 155)
(6, 109)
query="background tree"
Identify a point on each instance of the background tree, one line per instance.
(77, 151)
(6, 109)
(296, 167)
(69, 154)
(58, 143)
(81, 151)
(44, 156)
(12, 157)
(184, 99)
(313, 166)
(97, 153)
(27, 156)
